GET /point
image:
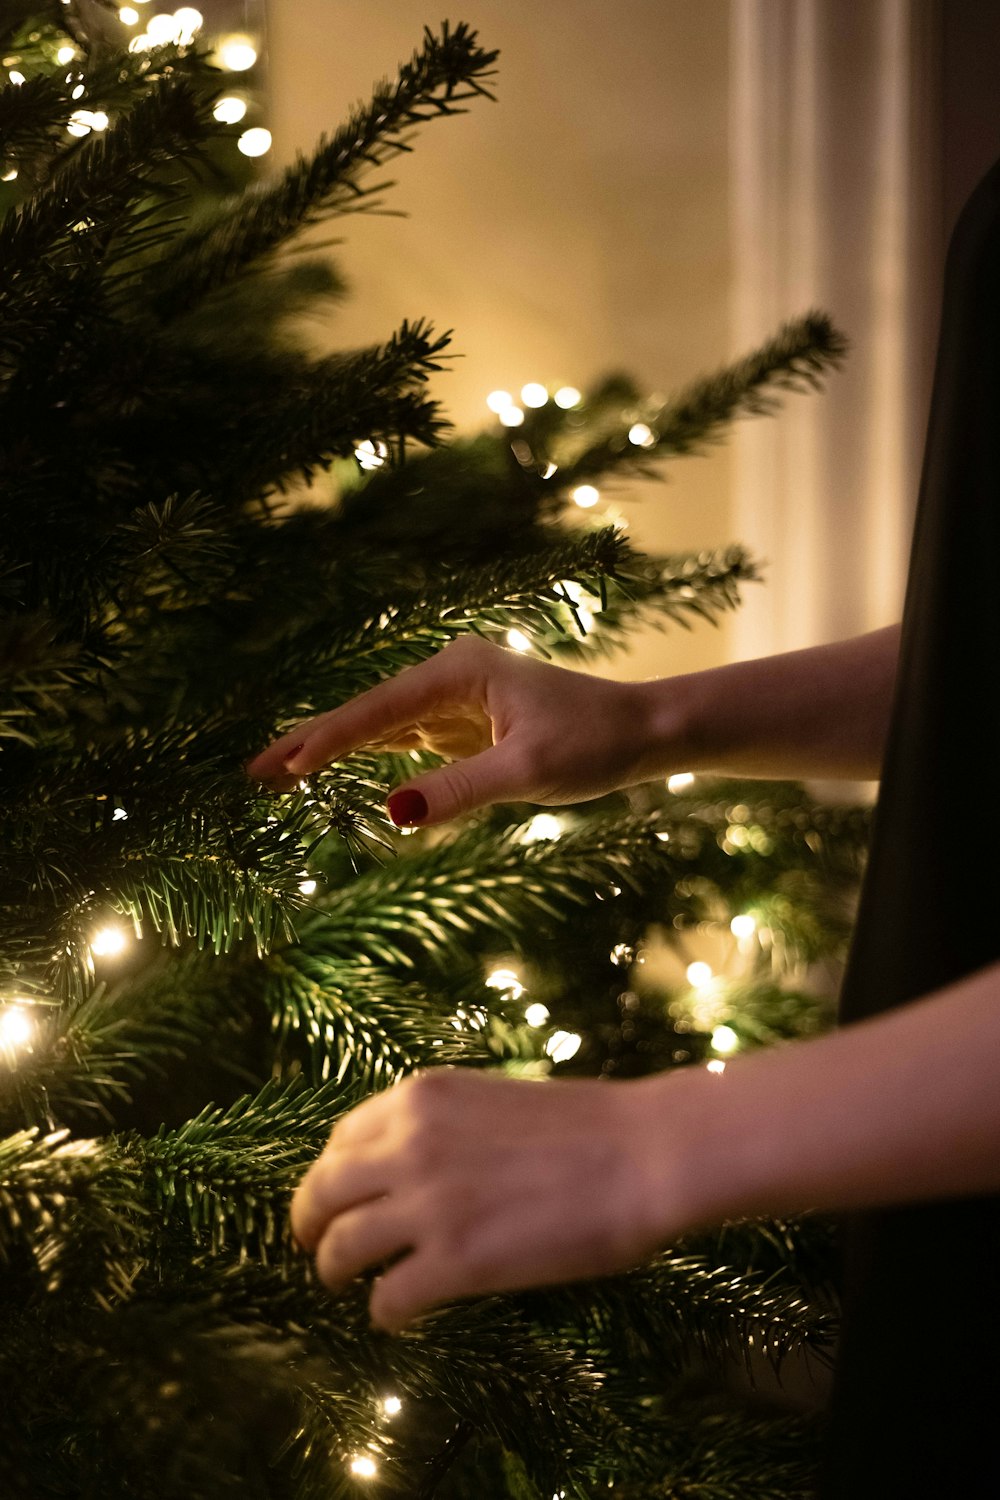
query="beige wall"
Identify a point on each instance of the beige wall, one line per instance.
(578, 225)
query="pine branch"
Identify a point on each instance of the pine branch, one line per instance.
(447, 72)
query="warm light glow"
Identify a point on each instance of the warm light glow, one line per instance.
(542, 826)
(119, 815)
(680, 781)
(189, 22)
(307, 887)
(586, 495)
(108, 942)
(255, 141)
(743, 926)
(128, 16)
(370, 455)
(499, 401)
(162, 28)
(537, 1014)
(518, 641)
(549, 470)
(15, 76)
(83, 121)
(392, 1406)
(562, 1045)
(15, 1027)
(237, 53)
(622, 953)
(364, 1466)
(724, 1039)
(567, 396)
(534, 394)
(699, 974)
(230, 110)
(506, 979)
(511, 416)
(65, 54)
(716, 1066)
(641, 435)
(9, 176)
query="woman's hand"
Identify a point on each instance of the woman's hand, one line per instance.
(471, 1183)
(517, 729)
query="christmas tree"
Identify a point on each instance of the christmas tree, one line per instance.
(198, 978)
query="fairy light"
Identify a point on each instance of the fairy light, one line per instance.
(715, 1066)
(15, 1027)
(108, 942)
(230, 110)
(699, 974)
(188, 22)
(237, 53)
(65, 54)
(511, 416)
(505, 979)
(567, 396)
(537, 1014)
(562, 1045)
(364, 1466)
(370, 454)
(392, 1406)
(128, 16)
(680, 781)
(9, 176)
(641, 435)
(534, 394)
(542, 826)
(518, 641)
(724, 1039)
(83, 121)
(743, 926)
(585, 495)
(255, 142)
(498, 401)
(307, 887)
(16, 77)
(162, 28)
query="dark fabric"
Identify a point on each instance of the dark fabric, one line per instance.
(915, 1400)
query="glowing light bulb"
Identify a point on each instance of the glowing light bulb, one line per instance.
(743, 926)
(188, 23)
(518, 641)
(161, 28)
(230, 110)
(537, 1014)
(716, 1066)
(108, 942)
(506, 979)
(369, 454)
(65, 54)
(307, 887)
(15, 76)
(255, 142)
(15, 1027)
(9, 176)
(128, 16)
(237, 53)
(562, 1045)
(641, 435)
(549, 470)
(542, 826)
(364, 1466)
(567, 396)
(586, 495)
(511, 416)
(699, 974)
(680, 781)
(724, 1039)
(534, 394)
(392, 1406)
(499, 401)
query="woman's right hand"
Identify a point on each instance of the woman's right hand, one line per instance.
(514, 728)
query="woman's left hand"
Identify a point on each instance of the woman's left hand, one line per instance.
(471, 1183)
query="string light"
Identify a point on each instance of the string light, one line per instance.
(307, 887)
(189, 22)
(65, 54)
(534, 394)
(506, 979)
(518, 641)
(586, 495)
(364, 1466)
(108, 942)
(715, 1066)
(15, 1027)
(498, 401)
(16, 77)
(237, 53)
(128, 16)
(369, 454)
(537, 1014)
(562, 1045)
(681, 780)
(542, 826)
(699, 974)
(9, 176)
(230, 110)
(392, 1406)
(567, 396)
(743, 926)
(255, 142)
(724, 1039)
(511, 416)
(641, 435)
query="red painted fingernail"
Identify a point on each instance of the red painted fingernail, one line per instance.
(407, 807)
(292, 753)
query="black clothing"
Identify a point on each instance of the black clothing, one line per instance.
(915, 1410)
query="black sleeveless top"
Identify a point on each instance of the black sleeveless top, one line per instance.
(915, 1409)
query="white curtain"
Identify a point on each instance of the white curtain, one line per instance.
(836, 152)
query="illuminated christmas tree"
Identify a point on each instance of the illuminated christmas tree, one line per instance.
(197, 978)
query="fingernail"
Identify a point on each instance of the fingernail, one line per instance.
(293, 752)
(407, 807)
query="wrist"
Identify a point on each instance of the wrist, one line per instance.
(670, 720)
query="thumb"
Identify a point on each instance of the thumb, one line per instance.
(457, 788)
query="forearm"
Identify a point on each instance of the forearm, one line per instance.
(822, 712)
(888, 1111)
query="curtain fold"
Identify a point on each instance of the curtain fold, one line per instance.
(836, 203)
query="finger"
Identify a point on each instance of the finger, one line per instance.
(414, 1285)
(389, 709)
(499, 774)
(359, 1239)
(336, 1181)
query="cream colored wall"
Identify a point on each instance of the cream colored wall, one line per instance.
(579, 224)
